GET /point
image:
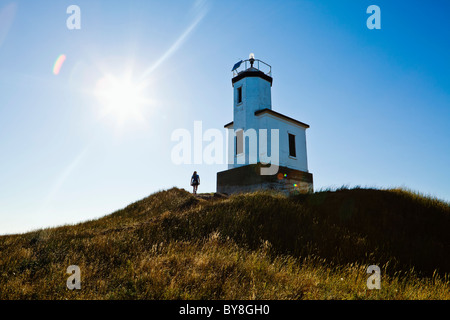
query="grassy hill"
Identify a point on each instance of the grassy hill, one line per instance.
(173, 245)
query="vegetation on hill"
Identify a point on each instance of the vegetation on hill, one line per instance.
(173, 245)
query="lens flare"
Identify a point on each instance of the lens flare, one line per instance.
(58, 64)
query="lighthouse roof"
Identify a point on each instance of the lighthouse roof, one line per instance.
(252, 72)
(275, 114)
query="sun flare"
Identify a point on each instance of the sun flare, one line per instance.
(121, 98)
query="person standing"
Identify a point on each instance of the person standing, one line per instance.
(195, 181)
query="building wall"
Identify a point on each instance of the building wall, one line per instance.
(256, 95)
(248, 179)
(285, 127)
(269, 122)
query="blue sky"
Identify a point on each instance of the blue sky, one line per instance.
(377, 101)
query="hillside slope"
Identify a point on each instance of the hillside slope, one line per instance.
(174, 245)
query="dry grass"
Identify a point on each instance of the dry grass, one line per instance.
(172, 245)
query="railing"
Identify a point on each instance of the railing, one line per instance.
(256, 64)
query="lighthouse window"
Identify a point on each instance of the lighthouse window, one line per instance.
(239, 142)
(292, 152)
(239, 95)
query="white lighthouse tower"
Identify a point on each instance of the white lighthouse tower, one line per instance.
(266, 149)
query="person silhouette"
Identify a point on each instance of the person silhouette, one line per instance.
(195, 181)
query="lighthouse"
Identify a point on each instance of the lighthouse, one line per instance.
(266, 149)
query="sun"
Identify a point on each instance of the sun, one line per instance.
(121, 98)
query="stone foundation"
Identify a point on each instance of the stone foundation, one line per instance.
(248, 179)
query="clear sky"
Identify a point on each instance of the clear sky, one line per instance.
(377, 101)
